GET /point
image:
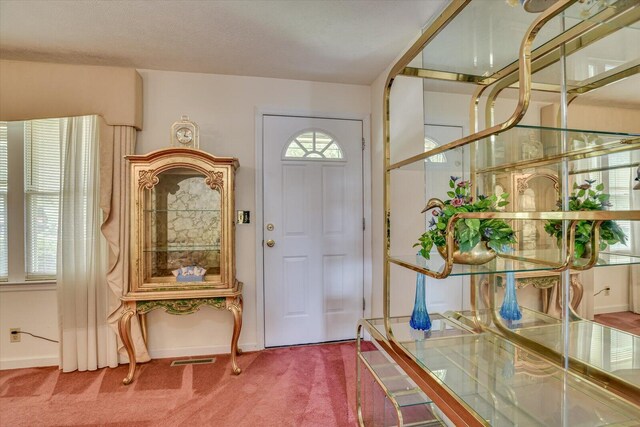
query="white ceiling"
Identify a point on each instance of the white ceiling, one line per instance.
(320, 40)
(341, 41)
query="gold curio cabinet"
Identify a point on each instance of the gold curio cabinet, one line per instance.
(182, 239)
(540, 107)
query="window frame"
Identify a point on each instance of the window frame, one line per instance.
(17, 214)
(306, 157)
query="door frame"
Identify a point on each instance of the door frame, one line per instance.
(260, 112)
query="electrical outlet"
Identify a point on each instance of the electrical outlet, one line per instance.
(14, 337)
(607, 291)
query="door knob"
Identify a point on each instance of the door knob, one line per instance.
(271, 243)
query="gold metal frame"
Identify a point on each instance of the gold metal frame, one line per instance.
(458, 411)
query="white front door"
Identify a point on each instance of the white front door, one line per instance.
(313, 217)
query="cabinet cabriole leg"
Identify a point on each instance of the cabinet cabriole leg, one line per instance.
(142, 318)
(236, 310)
(124, 327)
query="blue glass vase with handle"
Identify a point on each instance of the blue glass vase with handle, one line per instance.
(510, 309)
(420, 317)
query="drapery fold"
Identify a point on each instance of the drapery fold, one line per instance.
(87, 343)
(117, 142)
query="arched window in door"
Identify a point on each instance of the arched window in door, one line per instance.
(430, 144)
(314, 145)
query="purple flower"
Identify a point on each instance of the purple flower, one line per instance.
(432, 222)
(488, 232)
(457, 202)
(454, 178)
(589, 181)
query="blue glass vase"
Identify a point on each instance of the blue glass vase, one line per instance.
(420, 317)
(510, 309)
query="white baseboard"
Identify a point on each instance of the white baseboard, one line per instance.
(37, 362)
(161, 353)
(611, 309)
(29, 362)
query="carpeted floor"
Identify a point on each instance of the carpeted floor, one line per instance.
(294, 386)
(625, 321)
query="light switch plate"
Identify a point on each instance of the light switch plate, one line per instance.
(243, 217)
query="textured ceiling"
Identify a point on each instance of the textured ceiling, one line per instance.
(332, 41)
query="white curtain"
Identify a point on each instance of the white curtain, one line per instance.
(87, 342)
(634, 274)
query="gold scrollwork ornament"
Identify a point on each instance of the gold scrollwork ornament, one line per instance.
(147, 179)
(215, 180)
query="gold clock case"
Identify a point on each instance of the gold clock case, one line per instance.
(206, 185)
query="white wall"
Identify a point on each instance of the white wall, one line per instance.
(225, 109)
(34, 311)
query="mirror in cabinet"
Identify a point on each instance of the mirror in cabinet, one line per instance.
(182, 240)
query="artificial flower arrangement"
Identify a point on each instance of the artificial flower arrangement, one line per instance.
(586, 197)
(496, 233)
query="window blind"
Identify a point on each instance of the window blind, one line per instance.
(42, 190)
(619, 183)
(4, 166)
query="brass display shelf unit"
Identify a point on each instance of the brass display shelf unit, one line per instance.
(474, 367)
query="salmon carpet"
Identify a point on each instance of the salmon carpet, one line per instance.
(295, 386)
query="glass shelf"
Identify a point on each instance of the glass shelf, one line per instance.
(489, 33)
(206, 248)
(548, 258)
(399, 385)
(526, 147)
(599, 346)
(507, 385)
(180, 210)
(441, 327)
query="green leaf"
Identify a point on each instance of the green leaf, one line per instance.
(503, 203)
(441, 225)
(465, 246)
(451, 184)
(600, 187)
(451, 194)
(579, 249)
(504, 195)
(473, 223)
(581, 193)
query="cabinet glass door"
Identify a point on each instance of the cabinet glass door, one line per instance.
(182, 229)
